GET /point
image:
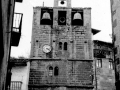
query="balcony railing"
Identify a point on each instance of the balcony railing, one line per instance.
(15, 85)
(16, 31)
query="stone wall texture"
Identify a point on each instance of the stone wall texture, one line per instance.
(71, 73)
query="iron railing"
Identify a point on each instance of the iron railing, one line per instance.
(16, 31)
(15, 85)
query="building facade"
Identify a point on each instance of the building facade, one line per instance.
(6, 27)
(6, 16)
(20, 74)
(104, 67)
(61, 48)
(115, 12)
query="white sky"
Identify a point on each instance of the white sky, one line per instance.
(100, 15)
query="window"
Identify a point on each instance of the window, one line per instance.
(50, 71)
(61, 17)
(110, 64)
(99, 63)
(60, 45)
(65, 46)
(56, 71)
(53, 71)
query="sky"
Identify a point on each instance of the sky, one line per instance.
(100, 19)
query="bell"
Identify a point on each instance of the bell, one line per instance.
(77, 16)
(46, 15)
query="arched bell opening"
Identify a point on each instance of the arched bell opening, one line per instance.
(77, 18)
(46, 16)
(61, 17)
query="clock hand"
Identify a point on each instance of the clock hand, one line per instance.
(48, 49)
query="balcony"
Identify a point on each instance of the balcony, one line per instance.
(15, 85)
(16, 31)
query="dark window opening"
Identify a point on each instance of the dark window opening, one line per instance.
(50, 68)
(115, 50)
(60, 45)
(61, 17)
(46, 16)
(77, 17)
(56, 71)
(65, 46)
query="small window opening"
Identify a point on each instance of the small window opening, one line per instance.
(60, 45)
(50, 71)
(56, 71)
(65, 46)
(99, 63)
(110, 64)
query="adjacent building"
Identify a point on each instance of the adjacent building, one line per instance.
(20, 74)
(6, 22)
(115, 13)
(104, 67)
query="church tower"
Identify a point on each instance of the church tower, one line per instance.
(61, 48)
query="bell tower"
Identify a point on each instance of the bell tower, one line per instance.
(61, 48)
(62, 3)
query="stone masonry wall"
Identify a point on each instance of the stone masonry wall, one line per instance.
(71, 73)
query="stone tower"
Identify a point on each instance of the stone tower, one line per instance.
(61, 48)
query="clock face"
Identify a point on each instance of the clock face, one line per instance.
(46, 48)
